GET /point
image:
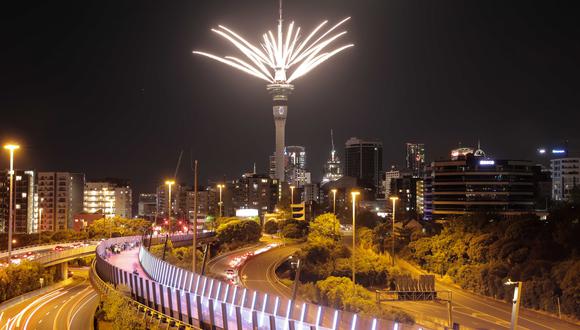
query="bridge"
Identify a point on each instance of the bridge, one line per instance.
(192, 300)
(184, 299)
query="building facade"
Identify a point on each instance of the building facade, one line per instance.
(255, 191)
(565, 177)
(389, 176)
(111, 197)
(364, 160)
(147, 206)
(60, 196)
(295, 166)
(24, 206)
(470, 184)
(416, 159)
(332, 170)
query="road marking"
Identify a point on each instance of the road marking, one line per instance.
(40, 306)
(66, 302)
(18, 317)
(80, 307)
(89, 290)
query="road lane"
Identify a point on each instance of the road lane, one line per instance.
(73, 304)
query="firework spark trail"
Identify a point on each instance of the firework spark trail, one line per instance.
(281, 53)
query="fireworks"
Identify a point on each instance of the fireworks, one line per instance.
(284, 57)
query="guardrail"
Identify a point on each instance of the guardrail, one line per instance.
(204, 302)
(35, 247)
(255, 305)
(104, 288)
(56, 256)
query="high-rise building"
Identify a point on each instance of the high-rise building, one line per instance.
(390, 175)
(405, 188)
(472, 183)
(178, 198)
(24, 217)
(416, 159)
(147, 206)
(111, 197)
(60, 196)
(364, 160)
(332, 169)
(255, 191)
(295, 164)
(565, 177)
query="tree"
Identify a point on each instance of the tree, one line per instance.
(324, 228)
(245, 231)
(117, 309)
(368, 219)
(271, 227)
(292, 228)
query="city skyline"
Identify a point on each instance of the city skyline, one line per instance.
(132, 109)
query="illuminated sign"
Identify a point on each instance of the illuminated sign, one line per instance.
(246, 213)
(486, 162)
(542, 151)
(558, 151)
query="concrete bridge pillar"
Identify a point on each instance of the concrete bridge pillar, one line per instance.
(62, 271)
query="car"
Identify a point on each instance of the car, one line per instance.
(230, 273)
(59, 248)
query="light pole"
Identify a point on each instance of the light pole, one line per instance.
(292, 194)
(334, 208)
(515, 302)
(39, 225)
(11, 147)
(169, 183)
(221, 187)
(354, 194)
(333, 200)
(394, 199)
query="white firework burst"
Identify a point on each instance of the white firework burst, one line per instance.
(284, 57)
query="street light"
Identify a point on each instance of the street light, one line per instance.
(515, 302)
(394, 199)
(169, 183)
(354, 194)
(220, 187)
(292, 194)
(11, 147)
(39, 224)
(334, 190)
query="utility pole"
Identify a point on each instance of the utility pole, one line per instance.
(194, 229)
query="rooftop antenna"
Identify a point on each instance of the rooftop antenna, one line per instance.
(332, 139)
(178, 163)
(280, 12)
(254, 167)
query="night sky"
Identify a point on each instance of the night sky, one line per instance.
(111, 88)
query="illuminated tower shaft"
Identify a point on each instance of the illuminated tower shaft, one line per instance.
(280, 93)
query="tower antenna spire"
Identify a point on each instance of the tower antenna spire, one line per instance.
(332, 139)
(280, 12)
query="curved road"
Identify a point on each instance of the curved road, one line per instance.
(258, 272)
(71, 307)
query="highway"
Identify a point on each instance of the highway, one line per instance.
(258, 273)
(469, 310)
(70, 307)
(480, 312)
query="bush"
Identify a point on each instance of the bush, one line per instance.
(19, 279)
(247, 231)
(271, 227)
(293, 228)
(480, 255)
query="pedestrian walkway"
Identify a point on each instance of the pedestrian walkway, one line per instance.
(128, 261)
